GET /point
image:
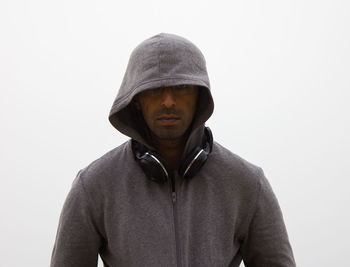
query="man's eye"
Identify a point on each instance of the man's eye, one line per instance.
(178, 89)
(155, 91)
(185, 88)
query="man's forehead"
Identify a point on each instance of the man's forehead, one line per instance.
(176, 86)
(178, 90)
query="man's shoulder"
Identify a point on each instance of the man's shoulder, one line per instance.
(226, 156)
(232, 165)
(108, 165)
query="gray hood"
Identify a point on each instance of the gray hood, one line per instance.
(162, 60)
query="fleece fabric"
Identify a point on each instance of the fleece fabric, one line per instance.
(225, 214)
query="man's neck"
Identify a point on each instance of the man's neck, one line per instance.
(171, 151)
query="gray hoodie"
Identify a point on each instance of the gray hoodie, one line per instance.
(225, 213)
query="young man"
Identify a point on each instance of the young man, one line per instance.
(170, 196)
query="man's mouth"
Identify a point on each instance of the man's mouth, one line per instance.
(168, 120)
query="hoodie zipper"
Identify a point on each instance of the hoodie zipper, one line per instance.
(177, 239)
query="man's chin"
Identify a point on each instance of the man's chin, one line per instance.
(168, 135)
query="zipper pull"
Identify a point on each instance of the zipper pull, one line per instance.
(174, 197)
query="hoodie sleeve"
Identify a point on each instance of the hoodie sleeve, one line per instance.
(266, 242)
(77, 241)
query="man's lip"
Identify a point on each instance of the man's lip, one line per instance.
(168, 118)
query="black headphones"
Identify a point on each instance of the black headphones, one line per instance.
(157, 169)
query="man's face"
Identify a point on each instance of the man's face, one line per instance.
(168, 111)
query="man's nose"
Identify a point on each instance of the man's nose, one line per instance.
(168, 98)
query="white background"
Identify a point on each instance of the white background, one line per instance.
(280, 75)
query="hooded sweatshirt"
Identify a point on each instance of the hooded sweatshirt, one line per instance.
(226, 213)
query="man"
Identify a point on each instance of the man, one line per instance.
(170, 196)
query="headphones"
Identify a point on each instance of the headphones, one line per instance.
(157, 169)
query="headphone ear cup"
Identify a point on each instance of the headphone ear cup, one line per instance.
(152, 169)
(152, 164)
(187, 161)
(193, 163)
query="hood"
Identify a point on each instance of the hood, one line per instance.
(162, 60)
